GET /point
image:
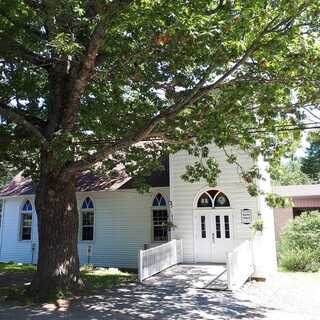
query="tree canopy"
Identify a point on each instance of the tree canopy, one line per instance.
(290, 173)
(225, 71)
(94, 84)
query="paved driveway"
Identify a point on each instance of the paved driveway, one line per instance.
(283, 297)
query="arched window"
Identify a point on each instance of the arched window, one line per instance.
(159, 218)
(1, 206)
(213, 199)
(204, 201)
(26, 221)
(87, 220)
(221, 200)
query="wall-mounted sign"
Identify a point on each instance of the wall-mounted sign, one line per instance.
(246, 216)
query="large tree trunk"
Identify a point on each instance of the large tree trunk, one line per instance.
(56, 206)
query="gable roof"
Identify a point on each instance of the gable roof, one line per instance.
(87, 181)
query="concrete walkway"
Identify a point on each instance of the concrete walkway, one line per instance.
(283, 297)
(191, 276)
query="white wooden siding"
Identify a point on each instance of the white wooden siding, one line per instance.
(12, 248)
(183, 195)
(122, 227)
(264, 246)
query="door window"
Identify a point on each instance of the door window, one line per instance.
(203, 227)
(218, 227)
(227, 227)
(222, 226)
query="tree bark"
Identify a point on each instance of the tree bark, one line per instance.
(56, 206)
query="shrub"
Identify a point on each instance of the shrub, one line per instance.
(299, 248)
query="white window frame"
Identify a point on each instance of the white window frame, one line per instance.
(1, 216)
(213, 199)
(22, 213)
(81, 212)
(1, 211)
(160, 208)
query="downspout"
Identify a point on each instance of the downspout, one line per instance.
(2, 222)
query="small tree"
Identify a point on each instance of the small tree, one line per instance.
(291, 174)
(311, 163)
(84, 81)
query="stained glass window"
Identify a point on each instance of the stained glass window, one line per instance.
(87, 220)
(159, 218)
(87, 204)
(221, 200)
(204, 201)
(26, 221)
(1, 205)
(27, 206)
(159, 201)
(207, 198)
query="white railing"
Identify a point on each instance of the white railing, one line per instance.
(156, 259)
(240, 265)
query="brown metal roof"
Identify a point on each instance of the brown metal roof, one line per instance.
(87, 181)
(19, 185)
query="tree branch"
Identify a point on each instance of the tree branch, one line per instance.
(216, 9)
(12, 115)
(81, 74)
(162, 136)
(193, 95)
(10, 48)
(31, 31)
(33, 4)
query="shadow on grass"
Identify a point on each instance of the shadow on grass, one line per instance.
(102, 278)
(16, 278)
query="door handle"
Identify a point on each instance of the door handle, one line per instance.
(212, 236)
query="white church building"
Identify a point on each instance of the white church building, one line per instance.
(116, 221)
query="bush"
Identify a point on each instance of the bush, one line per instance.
(299, 248)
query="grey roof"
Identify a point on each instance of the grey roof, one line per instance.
(303, 190)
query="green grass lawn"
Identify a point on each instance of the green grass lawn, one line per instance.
(102, 278)
(16, 268)
(15, 278)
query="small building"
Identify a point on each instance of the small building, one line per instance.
(304, 198)
(116, 221)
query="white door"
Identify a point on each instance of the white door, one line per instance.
(203, 237)
(222, 239)
(213, 236)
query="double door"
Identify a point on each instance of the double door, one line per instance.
(213, 235)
